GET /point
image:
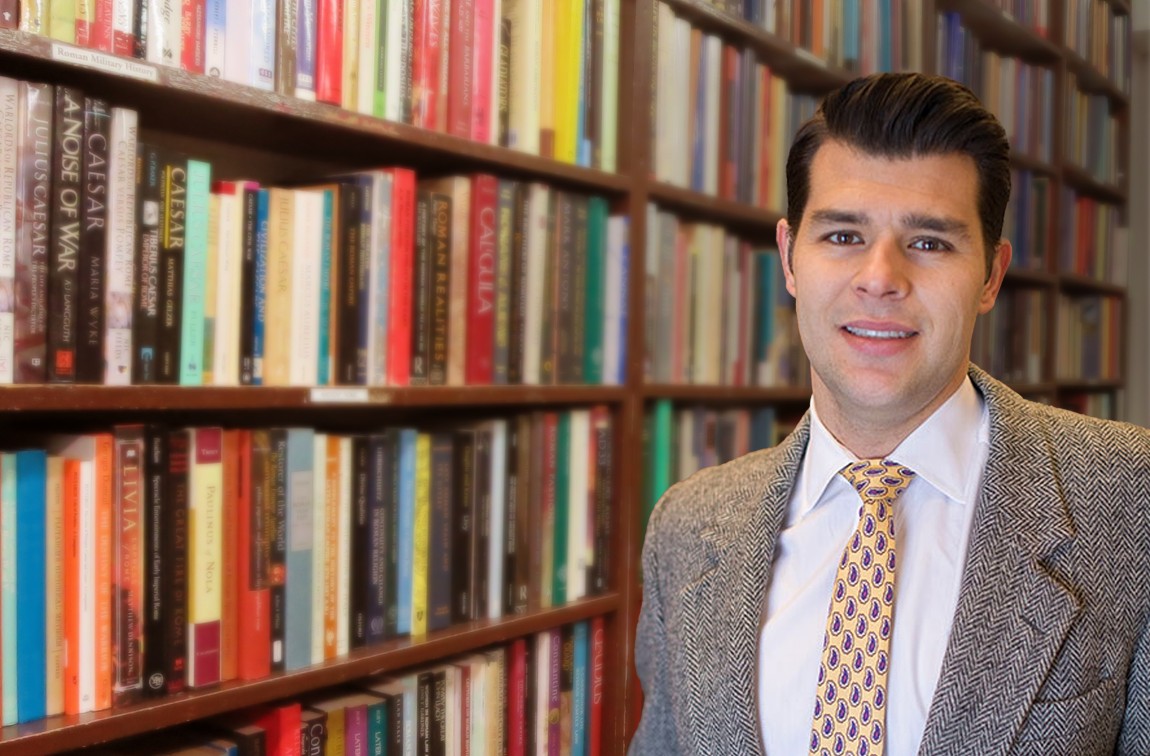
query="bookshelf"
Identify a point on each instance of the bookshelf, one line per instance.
(277, 138)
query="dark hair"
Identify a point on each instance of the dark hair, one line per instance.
(903, 115)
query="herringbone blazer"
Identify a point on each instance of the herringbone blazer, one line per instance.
(1049, 652)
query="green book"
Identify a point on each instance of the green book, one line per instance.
(195, 273)
(562, 511)
(594, 313)
(661, 443)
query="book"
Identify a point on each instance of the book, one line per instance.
(205, 555)
(91, 261)
(119, 251)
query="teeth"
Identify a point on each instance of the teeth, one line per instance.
(868, 333)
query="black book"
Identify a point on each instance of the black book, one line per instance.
(146, 319)
(463, 527)
(482, 515)
(64, 247)
(155, 596)
(93, 240)
(360, 589)
(604, 436)
(421, 291)
(175, 562)
(439, 234)
(351, 284)
(381, 452)
(250, 220)
(440, 558)
(173, 225)
(391, 532)
(517, 318)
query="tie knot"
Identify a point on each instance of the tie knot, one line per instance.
(878, 478)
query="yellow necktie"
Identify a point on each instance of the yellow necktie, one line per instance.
(850, 708)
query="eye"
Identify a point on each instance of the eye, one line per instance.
(842, 238)
(930, 244)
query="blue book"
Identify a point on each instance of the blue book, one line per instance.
(580, 701)
(9, 606)
(215, 36)
(305, 49)
(403, 576)
(195, 274)
(298, 593)
(323, 376)
(261, 288)
(31, 650)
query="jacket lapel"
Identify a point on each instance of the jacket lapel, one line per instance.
(1012, 614)
(724, 606)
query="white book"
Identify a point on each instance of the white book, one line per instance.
(318, 545)
(664, 82)
(119, 252)
(164, 32)
(542, 684)
(526, 18)
(453, 684)
(397, 70)
(9, 158)
(537, 222)
(215, 37)
(379, 278)
(229, 254)
(713, 49)
(615, 307)
(307, 256)
(262, 63)
(609, 88)
(476, 735)
(578, 554)
(343, 560)
(369, 41)
(497, 514)
(123, 26)
(238, 53)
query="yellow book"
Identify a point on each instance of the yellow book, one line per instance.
(420, 561)
(780, 108)
(336, 732)
(62, 20)
(562, 94)
(331, 534)
(573, 91)
(351, 32)
(278, 313)
(205, 550)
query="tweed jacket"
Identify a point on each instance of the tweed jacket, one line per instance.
(1049, 651)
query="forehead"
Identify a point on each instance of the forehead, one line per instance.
(845, 178)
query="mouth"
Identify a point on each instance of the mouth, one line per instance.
(878, 333)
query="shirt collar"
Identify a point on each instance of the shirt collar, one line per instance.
(941, 450)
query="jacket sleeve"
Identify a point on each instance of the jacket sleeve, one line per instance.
(656, 734)
(1135, 736)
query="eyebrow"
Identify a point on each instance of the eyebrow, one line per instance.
(917, 221)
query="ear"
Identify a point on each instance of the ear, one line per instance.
(1001, 261)
(786, 247)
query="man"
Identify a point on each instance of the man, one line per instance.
(1014, 620)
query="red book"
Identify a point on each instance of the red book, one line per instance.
(281, 724)
(230, 613)
(517, 721)
(482, 53)
(461, 68)
(402, 256)
(427, 36)
(595, 715)
(483, 251)
(254, 627)
(192, 36)
(329, 51)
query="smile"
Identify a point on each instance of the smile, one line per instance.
(872, 334)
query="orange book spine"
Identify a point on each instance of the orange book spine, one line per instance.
(330, 535)
(229, 615)
(72, 573)
(105, 467)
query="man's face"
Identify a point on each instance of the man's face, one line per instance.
(888, 270)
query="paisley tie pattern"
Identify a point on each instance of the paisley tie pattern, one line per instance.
(850, 708)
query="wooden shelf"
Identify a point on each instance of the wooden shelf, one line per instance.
(1030, 278)
(1086, 184)
(756, 222)
(63, 732)
(1085, 284)
(1032, 164)
(727, 394)
(802, 69)
(1032, 389)
(174, 101)
(1089, 385)
(1091, 80)
(48, 398)
(1000, 31)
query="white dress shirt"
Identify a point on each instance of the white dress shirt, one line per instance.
(932, 520)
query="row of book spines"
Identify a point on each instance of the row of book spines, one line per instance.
(1086, 403)
(1101, 35)
(158, 203)
(1020, 94)
(1093, 238)
(1027, 220)
(541, 694)
(206, 509)
(472, 68)
(735, 116)
(717, 309)
(1010, 340)
(1089, 338)
(858, 36)
(1092, 133)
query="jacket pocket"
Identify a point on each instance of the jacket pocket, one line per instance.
(1082, 725)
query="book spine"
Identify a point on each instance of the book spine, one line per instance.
(399, 319)
(121, 23)
(173, 238)
(31, 650)
(192, 28)
(263, 50)
(154, 519)
(215, 38)
(299, 545)
(421, 291)
(440, 282)
(597, 663)
(277, 514)
(439, 533)
(404, 579)
(191, 349)
(462, 37)
(287, 45)
(360, 586)
(305, 63)
(9, 607)
(91, 264)
(119, 252)
(379, 460)
(579, 690)
(64, 250)
(347, 343)
(128, 550)
(254, 547)
(482, 264)
(205, 552)
(484, 51)
(329, 51)
(392, 485)
(34, 197)
(260, 296)
(421, 530)
(503, 282)
(463, 526)
(231, 451)
(175, 559)
(249, 217)
(145, 323)
(9, 173)
(602, 497)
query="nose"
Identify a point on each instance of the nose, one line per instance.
(882, 270)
